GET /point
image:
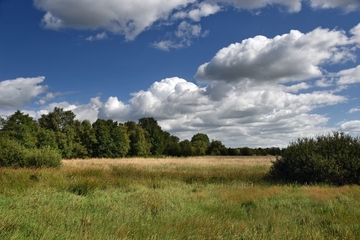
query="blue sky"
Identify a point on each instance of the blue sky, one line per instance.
(249, 73)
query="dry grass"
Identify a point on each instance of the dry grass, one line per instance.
(191, 161)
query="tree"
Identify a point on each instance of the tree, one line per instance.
(62, 124)
(173, 146)
(139, 140)
(186, 148)
(156, 135)
(216, 148)
(200, 143)
(21, 128)
(112, 139)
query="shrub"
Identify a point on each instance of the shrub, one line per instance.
(42, 157)
(13, 154)
(332, 158)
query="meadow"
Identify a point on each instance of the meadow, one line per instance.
(171, 198)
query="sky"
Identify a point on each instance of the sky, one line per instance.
(257, 73)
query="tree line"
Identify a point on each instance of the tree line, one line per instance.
(61, 131)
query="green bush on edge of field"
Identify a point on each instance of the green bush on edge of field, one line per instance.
(331, 159)
(13, 154)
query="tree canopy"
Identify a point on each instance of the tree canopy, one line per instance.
(59, 130)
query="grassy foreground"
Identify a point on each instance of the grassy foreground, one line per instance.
(170, 199)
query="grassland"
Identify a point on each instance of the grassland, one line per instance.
(172, 198)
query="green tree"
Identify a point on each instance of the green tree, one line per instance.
(173, 146)
(156, 135)
(62, 124)
(139, 140)
(216, 148)
(112, 139)
(186, 148)
(21, 128)
(200, 143)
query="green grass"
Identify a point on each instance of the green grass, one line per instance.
(171, 202)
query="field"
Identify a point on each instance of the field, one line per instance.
(171, 198)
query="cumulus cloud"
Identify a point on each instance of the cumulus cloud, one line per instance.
(97, 37)
(15, 93)
(88, 111)
(285, 58)
(242, 116)
(183, 37)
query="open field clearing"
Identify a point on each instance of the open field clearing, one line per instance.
(191, 161)
(192, 198)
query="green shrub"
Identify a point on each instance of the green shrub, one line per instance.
(332, 159)
(42, 157)
(13, 154)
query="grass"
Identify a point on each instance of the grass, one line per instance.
(202, 198)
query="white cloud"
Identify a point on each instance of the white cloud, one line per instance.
(237, 114)
(346, 5)
(353, 110)
(349, 76)
(352, 127)
(18, 92)
(253, 115)
(201, 10)
(97, 37)
(124, 17)
(183, 37)
(289, 57)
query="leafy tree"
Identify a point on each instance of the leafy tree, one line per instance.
(216, 148)
(246, 151)
(86, 134)
(112, 139)
(62, 124)
(186, 148)
(156, 135)
(139, 140)
(21, 128)
(120, 139)
(173, 146)
(200, 143)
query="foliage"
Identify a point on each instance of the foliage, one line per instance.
(112, 139)
(42, 157)
(139, 140)
(216, 148)
(13, 154)
(156, 135)
(333, 159)
(200, 143)
(61, 131)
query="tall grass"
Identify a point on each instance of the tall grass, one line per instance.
(171, 202)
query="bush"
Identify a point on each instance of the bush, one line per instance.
(332, 159)
(13, 154)
(42, 157)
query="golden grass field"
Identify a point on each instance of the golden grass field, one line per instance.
(190, 161)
